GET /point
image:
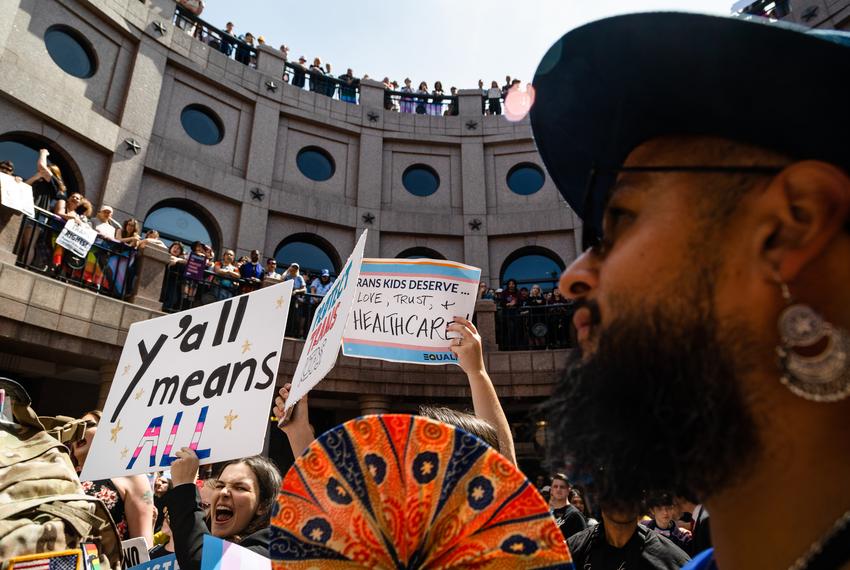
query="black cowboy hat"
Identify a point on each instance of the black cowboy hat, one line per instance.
(608, 86)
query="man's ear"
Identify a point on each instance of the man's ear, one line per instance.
(803, 208)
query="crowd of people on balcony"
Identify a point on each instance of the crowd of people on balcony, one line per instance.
(318, 77)
(529, 318)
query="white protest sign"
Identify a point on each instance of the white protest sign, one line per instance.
(16, 195)
(402, 308)
(135, 552)
(202, 379)
(323, 340)
(77, 238)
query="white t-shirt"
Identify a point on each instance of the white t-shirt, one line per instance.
(105, 229)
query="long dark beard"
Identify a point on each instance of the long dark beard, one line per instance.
(658, 405)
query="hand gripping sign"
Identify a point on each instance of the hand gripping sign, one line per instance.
(402, 308)
(202, 379)
(325, 335)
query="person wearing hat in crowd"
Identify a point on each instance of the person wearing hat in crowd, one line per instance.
(299, 73)
(104, 224)
(712, 300)
(321, 284)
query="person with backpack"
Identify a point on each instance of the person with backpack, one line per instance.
(129, 500)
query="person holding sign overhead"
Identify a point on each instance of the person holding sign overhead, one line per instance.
(240, 510)
(466, 344)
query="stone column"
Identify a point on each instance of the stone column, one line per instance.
(372, 95)
(151, 263)
(369, 182)
(124, 181)
(469, 103)
(373, 404)
(270, 62)
(107, 373)
(10, 226)
(475, 245)
(254, 215)
(485, 312)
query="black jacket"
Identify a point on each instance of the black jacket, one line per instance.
(188, 528)
(569, 520)
(646, 550)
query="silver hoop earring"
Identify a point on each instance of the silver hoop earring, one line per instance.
(822, 377)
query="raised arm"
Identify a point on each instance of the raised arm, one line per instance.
(138, 506)
(298, 429)
(485, 402)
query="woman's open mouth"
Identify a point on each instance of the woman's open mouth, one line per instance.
(223, 514)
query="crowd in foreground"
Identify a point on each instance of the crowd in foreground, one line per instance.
(712, 333)
(235, 500)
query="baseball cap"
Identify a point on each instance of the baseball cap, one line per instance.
(106, 208)
(607, 87)
(326, 273)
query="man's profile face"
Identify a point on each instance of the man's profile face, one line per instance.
(663, 340)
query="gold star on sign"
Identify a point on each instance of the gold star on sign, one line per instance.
(229, 419)
(279, 302)
(517, 547)
(127, 369)
(477, 493)
(246, 346)
(341, 491)
(139, 393)
(114, 431)
(124, 453)
(317, 534)
(427, 467)
(373, 470)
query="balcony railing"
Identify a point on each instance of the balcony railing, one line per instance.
(534, 327)
(181, 290)
(108, 268)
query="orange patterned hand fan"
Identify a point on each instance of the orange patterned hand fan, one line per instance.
(400, 491)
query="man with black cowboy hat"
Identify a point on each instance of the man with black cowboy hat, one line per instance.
(708, 159)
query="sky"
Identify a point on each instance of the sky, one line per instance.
(455, 41)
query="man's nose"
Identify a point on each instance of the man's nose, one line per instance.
(581, 277)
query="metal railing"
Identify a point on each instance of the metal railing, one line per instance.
(319, 81)
(218, 39)
(181, 291)
(108, 268)
(534, 327)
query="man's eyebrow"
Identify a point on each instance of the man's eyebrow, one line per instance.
(628, 182)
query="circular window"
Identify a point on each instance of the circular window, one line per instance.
(70, 51)
(315, 163)
(525, 179)
(202, 124)
(420, 180)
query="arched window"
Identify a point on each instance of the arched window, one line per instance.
(420, 253)
(533, 265)
(183, 221)
(311, 252)
(22, 150)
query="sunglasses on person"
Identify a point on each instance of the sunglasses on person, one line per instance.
(592, 235)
